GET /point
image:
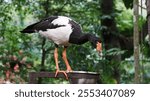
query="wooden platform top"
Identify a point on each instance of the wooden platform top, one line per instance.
(71, 75)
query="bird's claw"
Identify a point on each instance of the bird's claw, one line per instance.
(68, 70)
(64, 72)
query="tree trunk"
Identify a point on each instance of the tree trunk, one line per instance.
(136, 41)
(110, 35)
(148, 17)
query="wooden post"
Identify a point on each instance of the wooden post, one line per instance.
(136, 41)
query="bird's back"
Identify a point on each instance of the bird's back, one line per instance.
(56, 28)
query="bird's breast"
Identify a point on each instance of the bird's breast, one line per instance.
(59, 35)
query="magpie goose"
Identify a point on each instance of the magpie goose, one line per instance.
(63, 31)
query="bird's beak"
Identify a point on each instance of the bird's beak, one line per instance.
(99, 48)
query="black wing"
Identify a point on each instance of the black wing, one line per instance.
(77, 32)
(42, 25)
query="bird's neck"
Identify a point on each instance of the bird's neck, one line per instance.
(82, 38)
(85, 37)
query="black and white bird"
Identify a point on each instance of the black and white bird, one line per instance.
(63, 31)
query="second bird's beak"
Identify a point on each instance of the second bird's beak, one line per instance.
(99, 48)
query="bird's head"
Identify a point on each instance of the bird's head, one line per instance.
(96, 43)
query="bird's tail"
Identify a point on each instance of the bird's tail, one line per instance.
(29, 29)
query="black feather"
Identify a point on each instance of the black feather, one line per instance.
(29, 29)
(42, 25)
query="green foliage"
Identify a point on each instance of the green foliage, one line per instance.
(114, 52)
(146, 50)
(11, 40)
(127, 71)
(124, 19)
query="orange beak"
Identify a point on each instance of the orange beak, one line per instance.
(99, 47)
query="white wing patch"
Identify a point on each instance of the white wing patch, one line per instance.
(60, 35)
(61, 20)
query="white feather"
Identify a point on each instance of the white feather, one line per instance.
(59, 35)
(61, 20)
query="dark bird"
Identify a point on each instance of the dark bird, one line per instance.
(63, 31)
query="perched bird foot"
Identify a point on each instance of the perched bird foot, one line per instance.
(69, 70)
(64, 72)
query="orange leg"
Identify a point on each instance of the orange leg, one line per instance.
(56, 62)
(64, 56)
(56, 58)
